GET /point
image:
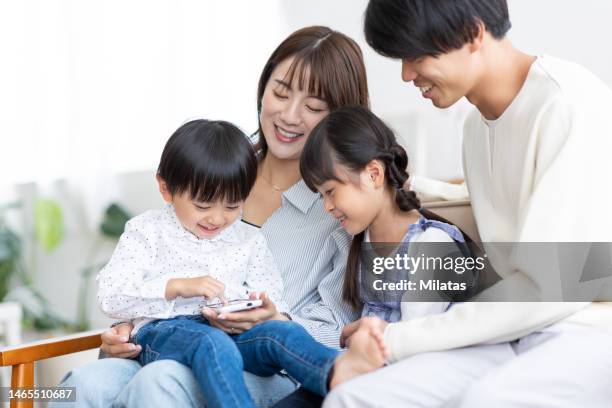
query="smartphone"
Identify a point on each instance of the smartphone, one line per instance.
(235, 305)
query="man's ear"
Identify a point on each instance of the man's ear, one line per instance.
(163, 189)
(374, 172)
(476, 43)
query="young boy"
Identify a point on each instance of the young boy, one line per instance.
(171, 264)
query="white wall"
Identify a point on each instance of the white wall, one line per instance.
(576, 30)
(93, 89)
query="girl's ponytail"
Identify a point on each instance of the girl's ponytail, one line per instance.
(350, 287)
(397, 176)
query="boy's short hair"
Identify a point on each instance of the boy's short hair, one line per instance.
(210, 160)
(410, 29)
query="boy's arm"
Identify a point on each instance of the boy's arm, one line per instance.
(124, 291)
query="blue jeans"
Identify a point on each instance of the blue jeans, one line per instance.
(217, 359)
(120, 383)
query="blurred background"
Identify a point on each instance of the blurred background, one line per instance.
(91, 90)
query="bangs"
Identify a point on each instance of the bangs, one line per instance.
(307, 79)
(209, 160)
(317, 160)
(417, 28)
(222, 181)
(411, 38)
(321, 72)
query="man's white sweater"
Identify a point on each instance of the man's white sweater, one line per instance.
(539, 173)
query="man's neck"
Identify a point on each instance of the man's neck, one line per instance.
(505, 71)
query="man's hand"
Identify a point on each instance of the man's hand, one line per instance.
(205, 286)
(115, 342)
(239, 322)
(351, 328)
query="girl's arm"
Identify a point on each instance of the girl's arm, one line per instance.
(124, 290)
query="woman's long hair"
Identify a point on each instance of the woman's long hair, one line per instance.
(326, 63)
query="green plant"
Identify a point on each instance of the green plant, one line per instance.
(49, 233)
(11, 247)
(48, 224)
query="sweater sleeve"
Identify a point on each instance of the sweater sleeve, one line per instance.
(567, 204)
(466, 324)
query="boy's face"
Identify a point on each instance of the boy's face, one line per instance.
(204, 220)
(443, 79)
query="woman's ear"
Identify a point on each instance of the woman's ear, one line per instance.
(163, 189)
(374, 172)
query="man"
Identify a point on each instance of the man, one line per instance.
(536, 163)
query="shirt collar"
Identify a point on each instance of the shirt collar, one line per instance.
(300, 196)
(230, 234)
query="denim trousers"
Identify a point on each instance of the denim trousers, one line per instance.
(124, 383)
(218, 359)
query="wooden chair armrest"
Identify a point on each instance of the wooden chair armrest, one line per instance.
(22, 358)
(59, 346)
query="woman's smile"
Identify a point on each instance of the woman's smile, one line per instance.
(286, 136)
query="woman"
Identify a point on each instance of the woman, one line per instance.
(311, 73)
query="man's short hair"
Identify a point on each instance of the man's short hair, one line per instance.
(410, 29)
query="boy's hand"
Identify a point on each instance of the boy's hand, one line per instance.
(115, 342)
(205, 286)
(239, 322)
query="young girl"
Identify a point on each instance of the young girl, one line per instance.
(172, 263)
(353, 159)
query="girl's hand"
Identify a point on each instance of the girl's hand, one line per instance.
(206, 286)
(351, 328)
(115, 342)
(348, 331)
(239, 322)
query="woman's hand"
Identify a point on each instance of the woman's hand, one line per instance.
(239, 322)
(115, 342)
(351, 328)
